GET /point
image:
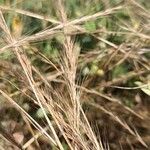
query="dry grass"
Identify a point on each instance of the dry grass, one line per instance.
(60, 94)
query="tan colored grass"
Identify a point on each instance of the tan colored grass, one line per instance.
(65, 107)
